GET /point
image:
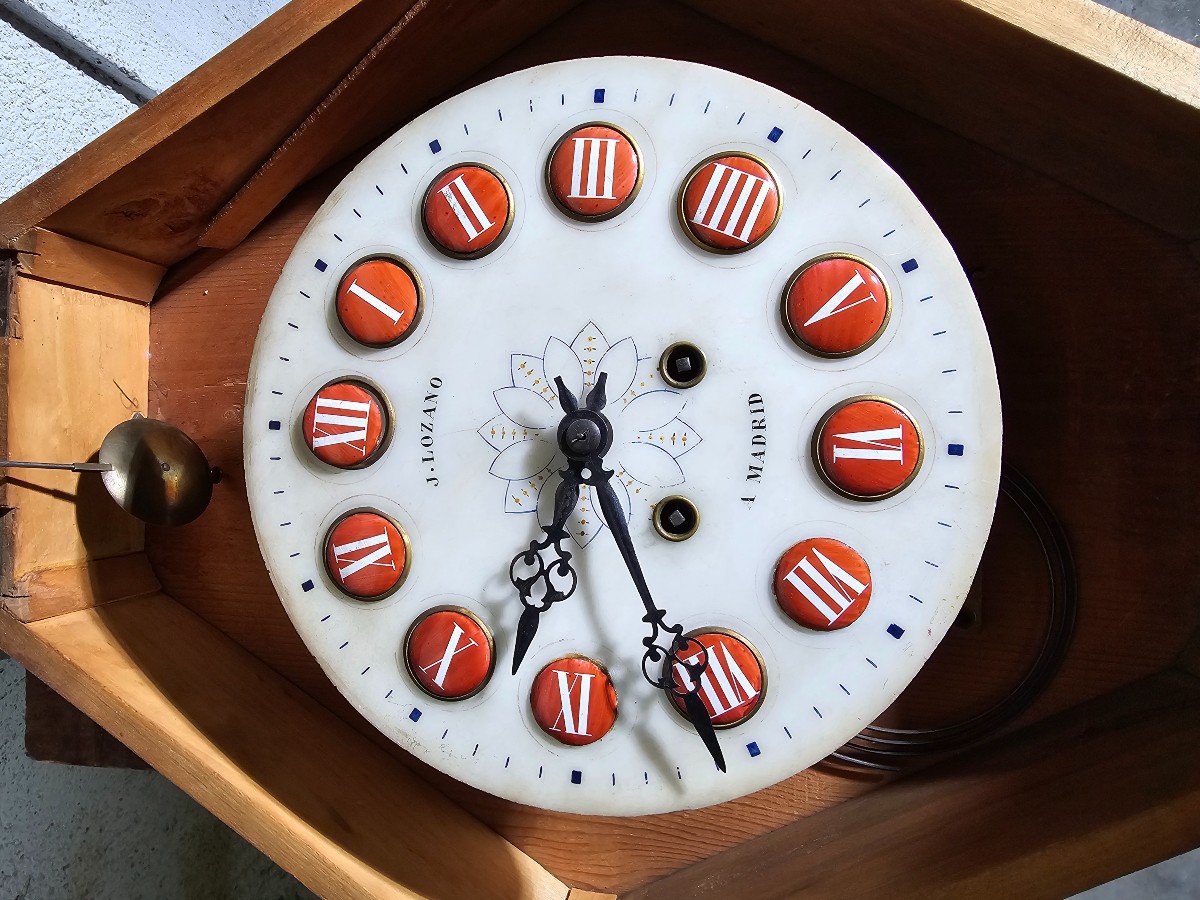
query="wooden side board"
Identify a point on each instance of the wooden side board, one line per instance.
(77, 365)
(1022, 78)
(45, 593)
(317, 797)
(1107, 787)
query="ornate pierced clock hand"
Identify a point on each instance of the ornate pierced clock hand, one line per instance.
(582, 439)
(544, 574)
(656, 657)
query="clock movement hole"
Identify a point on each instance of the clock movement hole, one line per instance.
(676, 518)
(683, 365)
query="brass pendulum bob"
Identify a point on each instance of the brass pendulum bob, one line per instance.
(153, 471)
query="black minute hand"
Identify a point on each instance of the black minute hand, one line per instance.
(655, 655)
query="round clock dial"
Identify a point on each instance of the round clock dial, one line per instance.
(613, 317)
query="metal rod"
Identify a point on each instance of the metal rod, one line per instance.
(70, 467)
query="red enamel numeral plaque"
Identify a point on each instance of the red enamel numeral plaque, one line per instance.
(574, 701)
(867, 448)
(734, 682)
(594, 172)
(467, 211)
(836, 306)
(346, 424)
(367, 555)
(729, 203)
(379, 302)
(822, 584)
(449, 653)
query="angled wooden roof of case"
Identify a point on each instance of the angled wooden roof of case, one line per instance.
(1097, 100)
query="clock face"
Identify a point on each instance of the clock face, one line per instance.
(802, 420)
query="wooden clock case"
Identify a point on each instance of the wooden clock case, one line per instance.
(1058, 146)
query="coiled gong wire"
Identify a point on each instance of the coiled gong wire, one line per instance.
(891, 749)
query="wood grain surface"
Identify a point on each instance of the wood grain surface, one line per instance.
(53, 257)
(77, 366)
(1090, 379)
(45, 593)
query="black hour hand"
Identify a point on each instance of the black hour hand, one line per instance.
(543, 574)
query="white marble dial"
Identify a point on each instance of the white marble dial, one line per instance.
(468, 394)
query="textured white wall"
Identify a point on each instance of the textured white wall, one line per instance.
(158, 41)
(51, 110)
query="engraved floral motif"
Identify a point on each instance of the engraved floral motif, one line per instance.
(649, 437)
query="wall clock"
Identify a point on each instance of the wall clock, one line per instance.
(622, 435)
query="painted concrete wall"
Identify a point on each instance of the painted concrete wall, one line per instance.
(82, 833)
(159, 41)
(1180, 18)
(51, 109)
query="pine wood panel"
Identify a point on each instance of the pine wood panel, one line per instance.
(52, 592)
(308, 791)
(1054, 272)
(77, 366)
(48, 256)
(1084, 798)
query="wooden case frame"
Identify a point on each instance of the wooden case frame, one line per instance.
(1059, 145)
